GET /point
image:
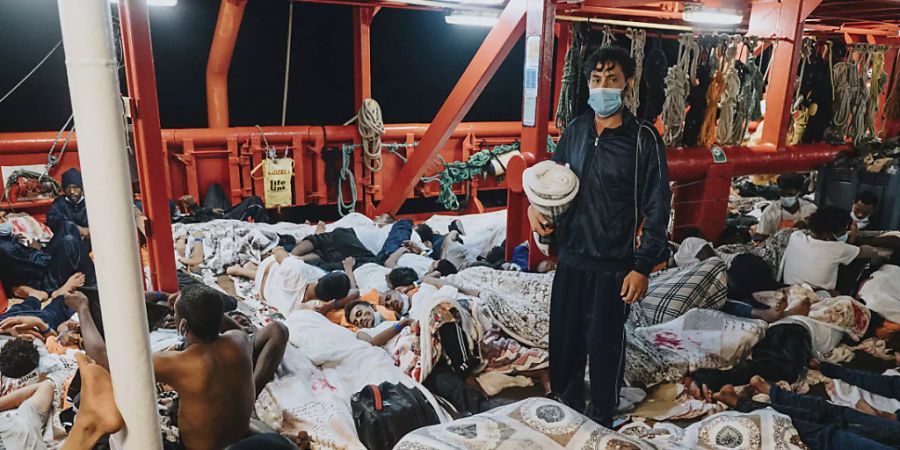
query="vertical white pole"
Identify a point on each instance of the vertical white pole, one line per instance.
(94, 88)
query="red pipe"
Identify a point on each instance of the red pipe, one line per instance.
(231, 12)
(684, 163)
(41, 141)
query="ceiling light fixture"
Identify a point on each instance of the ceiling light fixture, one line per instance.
(713, 16)
(155, 2)
(472, 18)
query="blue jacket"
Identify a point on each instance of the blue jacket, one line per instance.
(624, 181)
(63, 211)
(22, 265)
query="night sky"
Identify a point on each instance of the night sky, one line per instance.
(416, 60)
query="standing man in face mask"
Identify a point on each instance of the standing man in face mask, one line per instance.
(68, 214)
(624, 185)
(787, 213)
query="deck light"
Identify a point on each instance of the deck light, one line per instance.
(472, 18)
(715, 16)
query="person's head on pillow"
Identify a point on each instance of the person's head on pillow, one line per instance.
(333, 286)
(18, 358)
(395, 301)
(402, 278)
(361, 314)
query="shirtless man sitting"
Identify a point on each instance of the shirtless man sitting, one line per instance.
(213, 375)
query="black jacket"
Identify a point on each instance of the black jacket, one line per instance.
(624, 180)
(21, 265)
(62, 211)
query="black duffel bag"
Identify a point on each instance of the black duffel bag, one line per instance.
(384, 414)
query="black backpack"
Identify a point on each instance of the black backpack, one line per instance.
(384, 414)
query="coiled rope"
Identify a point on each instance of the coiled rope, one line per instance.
(371, 128)
(799, 113)
(728, 130)
(859, 129)
(876, 87)
(461, 171)
(609, 38)
(751, 95)
(345, 208)
(678, 84)
(573, 78)
(716, 87)
(638, 42)
(843, 98)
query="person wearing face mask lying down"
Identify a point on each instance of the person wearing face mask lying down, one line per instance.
(787, 213)
(813, 256)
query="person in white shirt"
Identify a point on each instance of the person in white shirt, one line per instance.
(790, 211)
(285, 281)
(23, 414)
(813, 257)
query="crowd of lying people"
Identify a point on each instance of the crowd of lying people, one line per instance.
(276, 326)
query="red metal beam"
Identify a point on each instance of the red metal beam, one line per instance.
(536, 100)
(138, 51)
(782, 19)
(484, 65)
(362, 58)
(231, 12)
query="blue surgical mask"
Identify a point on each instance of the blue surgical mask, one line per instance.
(789, 202)
(6, 228)
(605, 101)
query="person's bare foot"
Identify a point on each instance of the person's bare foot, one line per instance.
(727, 395)
(865, 408)
(320, 227)
(760, 385)
(28, 291)
(696, 391)
(75, 281)
(98, 407)
(801, 309)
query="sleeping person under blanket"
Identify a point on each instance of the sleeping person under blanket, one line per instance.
(285, 282)
(782, 355)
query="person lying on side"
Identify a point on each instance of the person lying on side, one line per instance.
(23, 414)
(813, 257)
(213, 375)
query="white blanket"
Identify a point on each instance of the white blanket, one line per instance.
(881, 292)
(319, 375)
(483, 231)
(704, 338)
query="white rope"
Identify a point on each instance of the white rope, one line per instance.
(727, 131)
(29, 74)
(843, 98)
(287, 62)
(638, 42)
(678, 85)
(371, 127)
(608, 38)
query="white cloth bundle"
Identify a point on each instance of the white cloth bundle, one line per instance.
(550, 187)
